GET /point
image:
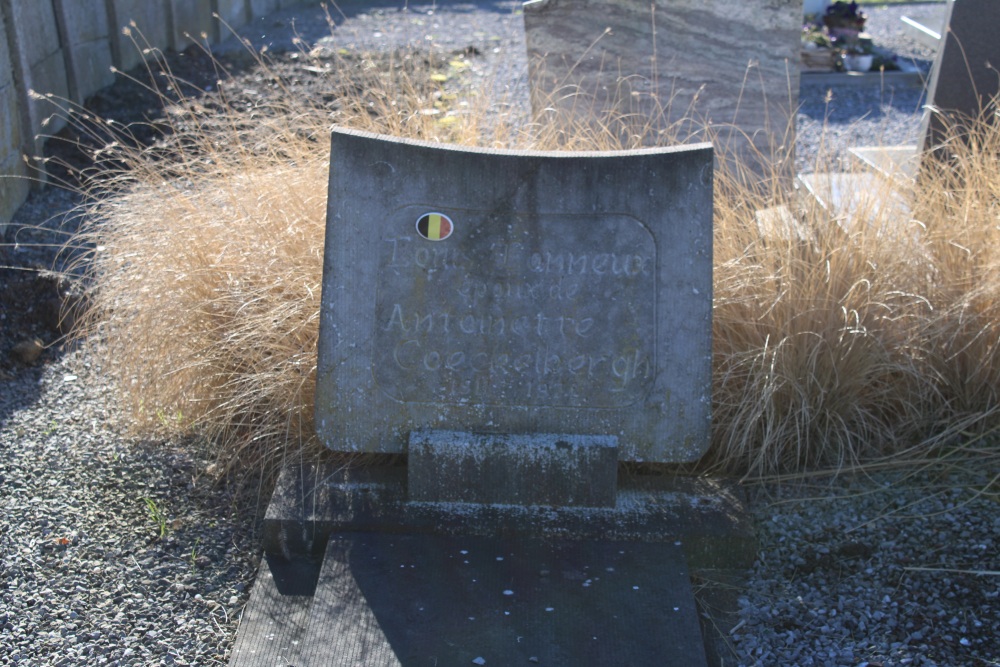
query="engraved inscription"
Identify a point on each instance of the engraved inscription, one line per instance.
(516, 310)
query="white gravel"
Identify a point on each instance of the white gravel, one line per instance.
(880, 571)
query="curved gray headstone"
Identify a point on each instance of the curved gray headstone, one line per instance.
(516, 292)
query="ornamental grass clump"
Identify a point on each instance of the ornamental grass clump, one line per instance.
(958, 207)
(861, 335)
(204, 248)
(872, 338)
(813, 364)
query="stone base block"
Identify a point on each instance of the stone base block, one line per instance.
(559, 470)
(707, 516)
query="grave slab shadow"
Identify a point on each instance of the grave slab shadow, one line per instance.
(420, 600)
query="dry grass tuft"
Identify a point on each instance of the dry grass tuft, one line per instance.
(206, 245)
(812, 335)
(960, 212)
(874, 340)
(835, 349)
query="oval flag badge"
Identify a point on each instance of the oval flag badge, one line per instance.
(435, 226)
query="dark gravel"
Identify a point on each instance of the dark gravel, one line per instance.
(887, 570)
(120, 551)
(112, 550)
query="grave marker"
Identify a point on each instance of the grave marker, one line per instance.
(515, 293)
(964, 77)
(516, 323)
(672, 67)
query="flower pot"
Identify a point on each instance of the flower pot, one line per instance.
(858, 63)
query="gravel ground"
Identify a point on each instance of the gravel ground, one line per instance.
(112, 550)
(875, 572)
(120, 551)
(832, 118)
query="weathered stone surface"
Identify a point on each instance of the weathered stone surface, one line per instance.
(42, 67)
(274, 621)
(558, 470)
(708, 516)
(414, 599)
(964, 78)
(731, 64)
(583, 273)
(84, 28)
(387, 600)
(573, 295)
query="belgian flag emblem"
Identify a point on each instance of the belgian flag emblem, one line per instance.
(435, 226)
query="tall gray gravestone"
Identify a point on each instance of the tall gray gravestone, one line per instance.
(674, 67)
(964, 78)
(963, 83)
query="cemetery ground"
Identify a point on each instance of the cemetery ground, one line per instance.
(128, 530)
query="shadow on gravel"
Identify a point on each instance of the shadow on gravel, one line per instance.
(33, 325)
(850, 103)
(18, 391)
(38, 298)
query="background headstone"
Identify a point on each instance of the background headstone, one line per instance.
(674, 65)
(516, 293)
(964, 78)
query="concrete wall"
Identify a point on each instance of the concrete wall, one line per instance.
(66, 49)
(152, 29)
(191, 22)
(40, 65)
(83, 31)
(13, 187)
